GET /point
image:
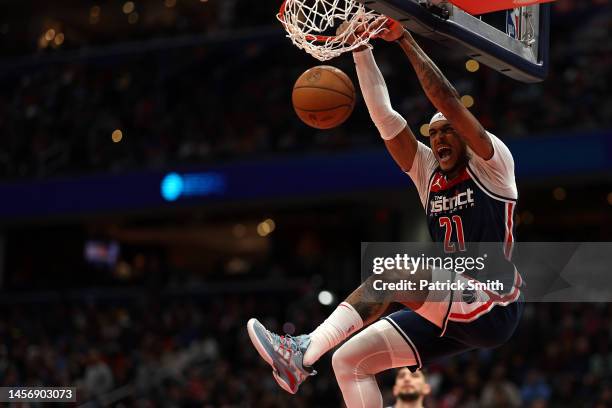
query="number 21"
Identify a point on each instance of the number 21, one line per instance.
(448, 232)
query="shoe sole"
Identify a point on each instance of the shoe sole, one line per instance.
(261, 349)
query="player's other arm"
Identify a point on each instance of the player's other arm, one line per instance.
(403, 149)
(441, 93)
(398, 137)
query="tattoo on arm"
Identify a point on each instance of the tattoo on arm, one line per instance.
(446, 98)
(434, 83)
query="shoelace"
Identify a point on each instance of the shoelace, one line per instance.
(286, 342)
(293, 346)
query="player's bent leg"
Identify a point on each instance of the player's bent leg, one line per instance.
(361, 308)
(291, 357)
(377, 348)
(285, 355)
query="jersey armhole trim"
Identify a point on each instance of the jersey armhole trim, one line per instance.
(486, 190)
(431, 178)
(448, 311)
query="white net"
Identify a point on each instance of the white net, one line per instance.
(327, 28)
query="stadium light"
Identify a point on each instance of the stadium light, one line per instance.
(117, 135)
(172, 186)
(424, 129)
(326, 298)
(472, 65)
(266, 227)
(59, 39)
(271, 224)
(50, 34)
(128, 7)
(467, 101)
(186, 185)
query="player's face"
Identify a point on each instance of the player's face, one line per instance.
(410, 386)
(447, 146)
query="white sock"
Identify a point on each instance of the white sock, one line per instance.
(342, 323)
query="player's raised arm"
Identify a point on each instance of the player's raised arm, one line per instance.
(398, 137)
(441, 93)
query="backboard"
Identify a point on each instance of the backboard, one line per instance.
(518, 50)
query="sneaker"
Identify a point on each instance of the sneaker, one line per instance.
(284, 353)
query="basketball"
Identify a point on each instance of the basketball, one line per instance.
(323, 97)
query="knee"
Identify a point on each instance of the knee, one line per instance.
(349, 360)
(341, 361)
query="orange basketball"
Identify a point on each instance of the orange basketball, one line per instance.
(323, 97)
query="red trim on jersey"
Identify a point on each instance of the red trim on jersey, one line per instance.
(440, 183)
(494, 299)
(485, 307)
(509, 239)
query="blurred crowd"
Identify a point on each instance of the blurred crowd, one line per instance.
(95, 23)
(194, 351)
(227, 97)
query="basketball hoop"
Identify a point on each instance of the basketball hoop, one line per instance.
(312, 25)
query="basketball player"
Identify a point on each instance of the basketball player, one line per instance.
(465, 180)
(410, 389)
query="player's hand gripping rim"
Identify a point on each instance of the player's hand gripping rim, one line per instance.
(393, 31)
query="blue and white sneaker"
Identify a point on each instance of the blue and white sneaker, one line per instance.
(284, 353)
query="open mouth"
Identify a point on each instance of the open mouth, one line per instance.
(444, 153)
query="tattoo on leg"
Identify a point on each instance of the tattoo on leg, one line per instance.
(369, 303)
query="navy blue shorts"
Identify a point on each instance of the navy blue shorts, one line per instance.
(430, 342)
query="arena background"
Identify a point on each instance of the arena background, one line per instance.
(135, 287)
